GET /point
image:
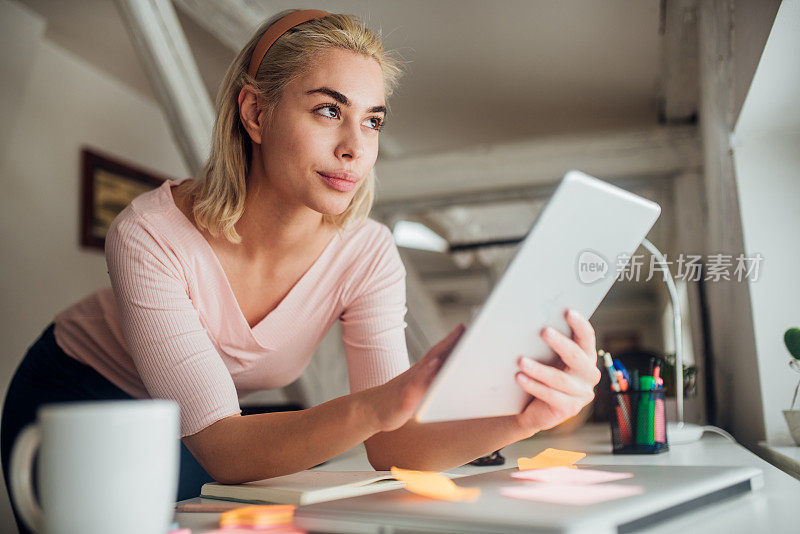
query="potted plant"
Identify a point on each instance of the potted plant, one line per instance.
(792, 341)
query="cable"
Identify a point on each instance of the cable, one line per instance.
(718, 430)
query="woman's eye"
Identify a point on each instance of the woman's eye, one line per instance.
(333, 112)
(376, 123)
(328, 111)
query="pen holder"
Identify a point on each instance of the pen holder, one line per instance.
(638, 422)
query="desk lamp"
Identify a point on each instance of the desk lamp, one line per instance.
(679, 431)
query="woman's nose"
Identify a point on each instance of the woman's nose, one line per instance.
(351, 144)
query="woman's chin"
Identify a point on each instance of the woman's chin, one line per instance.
(331, 207)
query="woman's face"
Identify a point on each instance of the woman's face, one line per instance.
(322, 140)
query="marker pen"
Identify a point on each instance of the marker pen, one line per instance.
(611, 374)
(646, 418)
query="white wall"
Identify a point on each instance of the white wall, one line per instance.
(20, 32)
(766, 153)
(62, 105)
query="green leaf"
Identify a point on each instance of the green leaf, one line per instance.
(792, 340)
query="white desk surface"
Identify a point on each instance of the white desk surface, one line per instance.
(773, 509)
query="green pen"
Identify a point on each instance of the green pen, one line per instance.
(645, 427)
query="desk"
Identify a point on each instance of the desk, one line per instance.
(773, 509)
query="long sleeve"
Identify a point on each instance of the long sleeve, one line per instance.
(169, 345)
(373, 325)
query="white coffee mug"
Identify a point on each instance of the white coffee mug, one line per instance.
(104, 467)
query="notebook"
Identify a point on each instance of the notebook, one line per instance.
(305, 487)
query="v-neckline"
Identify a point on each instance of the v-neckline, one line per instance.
(284, 303)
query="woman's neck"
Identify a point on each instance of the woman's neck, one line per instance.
(272, 227)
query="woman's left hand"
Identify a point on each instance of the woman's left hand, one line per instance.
(560, 394)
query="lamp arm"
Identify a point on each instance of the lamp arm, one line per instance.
(676, 322)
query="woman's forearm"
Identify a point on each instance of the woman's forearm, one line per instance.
(240, 449)
(442, 446)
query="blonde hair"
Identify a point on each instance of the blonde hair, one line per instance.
(218, 199)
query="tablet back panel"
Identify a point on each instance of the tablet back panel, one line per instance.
(586, 225)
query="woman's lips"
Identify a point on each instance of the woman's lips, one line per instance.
(340, 184)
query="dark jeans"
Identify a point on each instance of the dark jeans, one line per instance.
(46, 375)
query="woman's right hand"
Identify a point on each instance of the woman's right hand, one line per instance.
(394, 403)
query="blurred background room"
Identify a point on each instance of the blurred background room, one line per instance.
(690, 103)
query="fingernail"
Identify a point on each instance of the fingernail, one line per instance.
(549, 331)
(572, 314)
(527, 363)
(523, 378)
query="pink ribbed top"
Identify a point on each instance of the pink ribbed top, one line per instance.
(170, 326)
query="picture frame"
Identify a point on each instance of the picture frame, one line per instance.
(108, 185)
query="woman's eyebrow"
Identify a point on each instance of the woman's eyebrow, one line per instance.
(339, 97)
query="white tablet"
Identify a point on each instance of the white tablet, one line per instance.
(569, 259)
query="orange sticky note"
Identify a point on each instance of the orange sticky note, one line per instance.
(258, 516)
(434, 485)
(279, 529)
(550, 458)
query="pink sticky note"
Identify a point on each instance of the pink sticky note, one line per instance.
(566, 475)
(571, 495)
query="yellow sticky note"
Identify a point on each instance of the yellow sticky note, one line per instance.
(434, 485)
(550, 458)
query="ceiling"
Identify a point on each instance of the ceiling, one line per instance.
(477, 72)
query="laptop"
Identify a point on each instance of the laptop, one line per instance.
(668, 491)
(569, 259)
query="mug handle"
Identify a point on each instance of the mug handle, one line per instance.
(21, 480)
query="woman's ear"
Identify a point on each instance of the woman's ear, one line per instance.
(249, 112)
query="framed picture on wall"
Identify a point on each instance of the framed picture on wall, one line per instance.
(108, 185)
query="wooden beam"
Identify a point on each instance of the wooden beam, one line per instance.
(232, 22)
(679, 91)
(171, 68)
(736, 401)
(541, 162)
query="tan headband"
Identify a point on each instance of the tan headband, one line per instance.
(277, 29)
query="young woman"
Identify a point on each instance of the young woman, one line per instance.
(226, 284)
